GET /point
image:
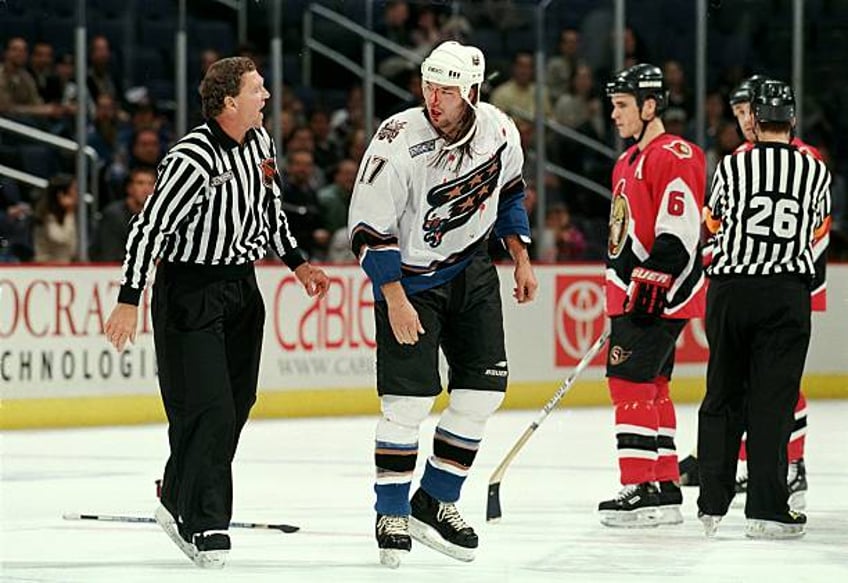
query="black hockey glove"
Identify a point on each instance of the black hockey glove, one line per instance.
(647, 298)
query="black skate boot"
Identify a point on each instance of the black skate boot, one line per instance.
(392, 539)
(671, 498)
(789, 525)
(689, 474)
(636, 506)
(797, 481)
(440, 526)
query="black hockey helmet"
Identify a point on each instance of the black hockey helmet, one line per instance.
(643, 81)
(744, 92)
(774, 101)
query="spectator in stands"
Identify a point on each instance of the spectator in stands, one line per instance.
(100, 78)
(55, 231)
(561, 66)
(114, 226)
(676, 122)
(300, 201)
(561, 239)
(19, 95)
(502, 14)
(356, 145)
(345, 121)
(725, 143)
(396, 27)
(301, 139)
(714, 117)
(15, 224)
(146, 149)
(41, 67)
(679, 94)
(103, 129)
(517, 96)
(427, 32)
(326, 151)
(334, 199)
(580, 107)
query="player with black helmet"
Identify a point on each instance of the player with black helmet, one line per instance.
(758, 314)
(654, 284)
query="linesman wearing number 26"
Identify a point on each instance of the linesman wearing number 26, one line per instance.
(767, 205)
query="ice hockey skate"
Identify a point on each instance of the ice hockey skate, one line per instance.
(796, 479)
(393, 539)
(783, 527)
(710, 522)
(208, 550)
(689, 474)
(670, 498)
(440, 526)
(635, 506)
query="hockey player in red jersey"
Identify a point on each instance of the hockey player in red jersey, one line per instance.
(740, 103)
(654, 284)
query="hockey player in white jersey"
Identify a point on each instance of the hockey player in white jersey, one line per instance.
(434, 184)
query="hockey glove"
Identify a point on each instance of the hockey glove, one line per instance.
(647, 295)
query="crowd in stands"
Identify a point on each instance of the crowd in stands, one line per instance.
(324, 141)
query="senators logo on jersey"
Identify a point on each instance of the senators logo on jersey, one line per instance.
(453, 203)
(680, 149)
(619, 222)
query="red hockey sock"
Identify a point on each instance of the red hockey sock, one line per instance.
(667, 468)
(795, 450)
(635, 429)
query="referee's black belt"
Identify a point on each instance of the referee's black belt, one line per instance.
(198, 271)
(765, 278)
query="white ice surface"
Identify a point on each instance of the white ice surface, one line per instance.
(318, 474)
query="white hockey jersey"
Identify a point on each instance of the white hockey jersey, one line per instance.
(418, 213)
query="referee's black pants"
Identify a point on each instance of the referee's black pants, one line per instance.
(207, 326)
(758, 330)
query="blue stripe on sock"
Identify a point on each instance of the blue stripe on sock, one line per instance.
(392, 499)
(472, 443)
(401, 446)
(441, 485)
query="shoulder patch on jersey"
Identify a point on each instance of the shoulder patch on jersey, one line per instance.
(268, 167)
(679, 148)
(391, 130)
(422, 148)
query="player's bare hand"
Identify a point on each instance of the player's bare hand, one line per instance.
(525, 283)
(404, 321)
(121, 325)
(313, 279)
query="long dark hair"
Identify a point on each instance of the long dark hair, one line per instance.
(49, 203)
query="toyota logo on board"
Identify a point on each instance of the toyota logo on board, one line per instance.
(578, 317)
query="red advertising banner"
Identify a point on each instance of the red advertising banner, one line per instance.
(579, 319)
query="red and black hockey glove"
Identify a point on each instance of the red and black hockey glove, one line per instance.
(647, 295)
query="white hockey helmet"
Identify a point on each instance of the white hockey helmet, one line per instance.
(452, 63)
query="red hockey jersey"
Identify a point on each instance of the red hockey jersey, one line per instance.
(659, 190)
(818, 293)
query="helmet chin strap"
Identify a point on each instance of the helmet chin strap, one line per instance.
(645, 123)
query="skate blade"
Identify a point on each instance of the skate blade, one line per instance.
(166, 521)
(642, 518)
(798, 500)
(768, 529)
(392, 558)
(670, 515)
(211, 559)
(427, 535)
(710, 524)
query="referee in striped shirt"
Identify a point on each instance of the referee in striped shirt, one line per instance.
(766, 207)
(216, 207)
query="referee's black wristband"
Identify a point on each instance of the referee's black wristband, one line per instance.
(294, 258)
(129, 295)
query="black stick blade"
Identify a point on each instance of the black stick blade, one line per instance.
(493, 504)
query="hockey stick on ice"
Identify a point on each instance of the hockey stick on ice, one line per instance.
(287, 528)
(493, 504)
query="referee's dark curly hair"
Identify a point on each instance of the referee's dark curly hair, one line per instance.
(222, 80)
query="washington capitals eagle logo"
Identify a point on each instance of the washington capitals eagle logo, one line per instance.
(453, 203)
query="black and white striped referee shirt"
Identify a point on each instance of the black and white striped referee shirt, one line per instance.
(216, 202)
(770, 199)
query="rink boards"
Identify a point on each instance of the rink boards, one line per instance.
(56, 368)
